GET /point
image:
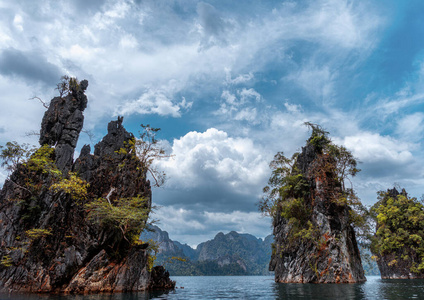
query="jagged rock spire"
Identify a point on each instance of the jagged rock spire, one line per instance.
(62, 124)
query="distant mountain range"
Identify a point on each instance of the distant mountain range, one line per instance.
(226, 254)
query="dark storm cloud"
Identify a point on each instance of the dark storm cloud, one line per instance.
(89, 6)
(32, 66)
(214, 198)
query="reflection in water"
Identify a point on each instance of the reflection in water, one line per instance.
(259, 287)
(398, 289)
(318, 291)
(374, 288)
(117, 296)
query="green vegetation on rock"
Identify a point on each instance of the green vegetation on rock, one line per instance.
(399, 238)
(316, 213)
(289, 192)
(129, 215)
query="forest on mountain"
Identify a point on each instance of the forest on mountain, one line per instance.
(225, 254)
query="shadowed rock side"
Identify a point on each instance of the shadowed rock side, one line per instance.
(78, 256)
(335, 257)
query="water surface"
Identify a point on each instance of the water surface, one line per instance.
(260, 287)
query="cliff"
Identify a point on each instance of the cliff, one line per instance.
(398, 241)
(248, 252)
(49, 243)
(225, 254)
(314, 240)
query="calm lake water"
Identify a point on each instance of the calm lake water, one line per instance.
(261, 287)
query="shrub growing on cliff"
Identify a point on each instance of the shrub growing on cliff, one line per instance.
(66, 85)
(74, 186)
(147, 150)
(42, 161)
(37, 233)
(129, 215)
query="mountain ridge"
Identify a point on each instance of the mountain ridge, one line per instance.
(226, 254)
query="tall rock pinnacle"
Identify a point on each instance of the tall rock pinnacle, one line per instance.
(62, 124)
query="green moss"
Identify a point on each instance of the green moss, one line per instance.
(37, 233)
(6, 261)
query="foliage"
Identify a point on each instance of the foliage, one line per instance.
(38, 172)
(400, 229)
(186, 267)
(12, 154)
(291, 192)
(148, 150)
(6, 261)
(152, 249)
(43, 161)
(129, 215)
(286, 182)
(319, 137)
(345, 163)
(37, 233)
(66, 85)
(74, 186)
(38, 161)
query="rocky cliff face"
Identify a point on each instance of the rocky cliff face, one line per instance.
(166, 245)
(326, 251)
(48, 244)
(245, 250)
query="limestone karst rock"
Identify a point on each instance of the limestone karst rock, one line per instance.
(67, 252)
(313, 239)
(398, 241)
(63, 122)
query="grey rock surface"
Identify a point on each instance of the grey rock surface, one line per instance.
(79, 256)
(62, 124)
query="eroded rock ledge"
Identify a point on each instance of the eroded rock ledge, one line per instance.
(77, 256)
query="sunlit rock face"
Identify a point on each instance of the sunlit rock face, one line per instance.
(333, 257)
(75, 255)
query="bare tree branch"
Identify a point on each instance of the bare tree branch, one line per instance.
(46, 105)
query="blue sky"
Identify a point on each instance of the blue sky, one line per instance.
(230, 83)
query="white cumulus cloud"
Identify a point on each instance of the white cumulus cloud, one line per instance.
(212, 157)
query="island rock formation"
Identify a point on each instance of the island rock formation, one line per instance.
(322, 248)
(47, 242)
(398, 243)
